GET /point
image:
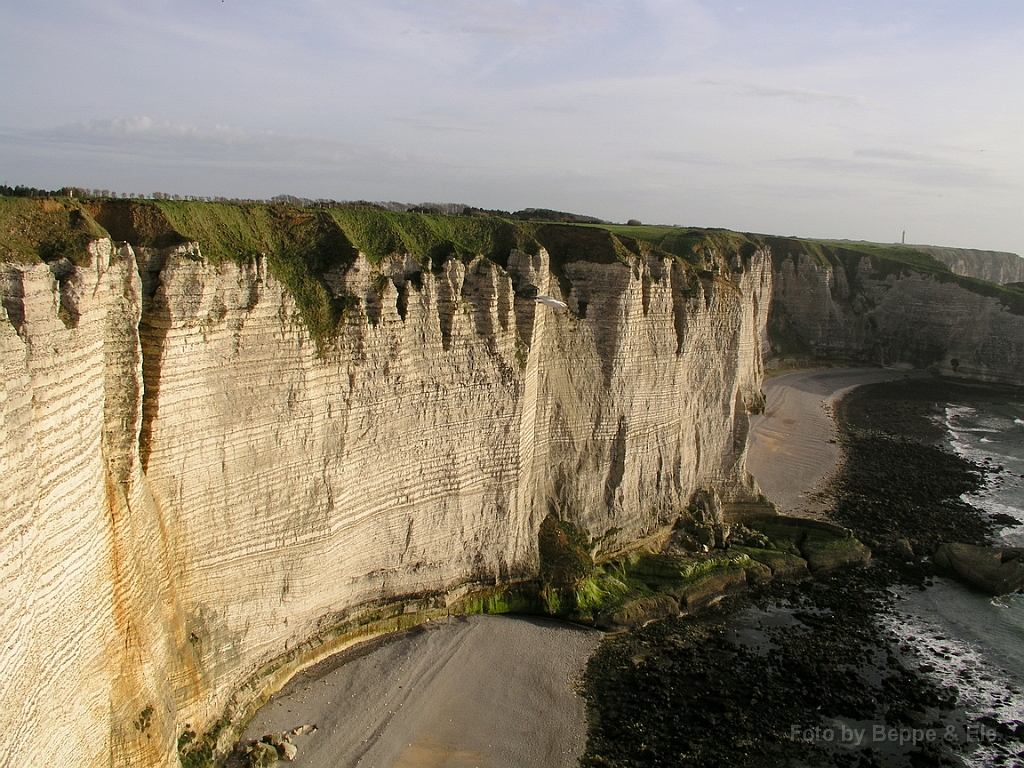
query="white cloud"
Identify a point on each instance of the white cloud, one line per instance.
(199, 146)
(793, 93)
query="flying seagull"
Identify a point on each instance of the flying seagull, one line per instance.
(549, 302)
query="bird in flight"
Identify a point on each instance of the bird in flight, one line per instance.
(550, 302)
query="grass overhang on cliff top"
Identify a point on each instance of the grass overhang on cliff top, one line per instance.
(302, 242)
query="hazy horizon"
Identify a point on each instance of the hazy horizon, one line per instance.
(791, 118)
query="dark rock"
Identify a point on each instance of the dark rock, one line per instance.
(994, 570)
(827, 552)
(901, 548)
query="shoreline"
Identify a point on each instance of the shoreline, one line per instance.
(795, 672)
(793, 447)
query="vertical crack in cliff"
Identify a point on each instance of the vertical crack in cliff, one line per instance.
(12, 294)
(64, 273)
(153, 328)
(680, 288)
(480, 290)
(616, 464)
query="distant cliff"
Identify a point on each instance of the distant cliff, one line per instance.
(997, 267)
(993, 266)
(894, 307)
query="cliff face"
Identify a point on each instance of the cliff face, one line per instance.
(853, 307)
(197, 494)
(994, 266)
(84, 577)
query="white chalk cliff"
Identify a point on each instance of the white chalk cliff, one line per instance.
(199, 497)
(196, 500)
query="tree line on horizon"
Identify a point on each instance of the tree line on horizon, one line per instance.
(437, 209)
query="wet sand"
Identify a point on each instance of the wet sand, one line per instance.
(470, 691)
(793, 450)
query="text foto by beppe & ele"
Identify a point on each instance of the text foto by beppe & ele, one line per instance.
(880, 733)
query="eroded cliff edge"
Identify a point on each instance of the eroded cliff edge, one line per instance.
(201, 495)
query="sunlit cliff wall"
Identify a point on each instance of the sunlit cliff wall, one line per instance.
(193, 487)
(205, 484)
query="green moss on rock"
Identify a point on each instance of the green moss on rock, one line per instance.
(783, 565)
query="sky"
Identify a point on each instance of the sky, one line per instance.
(794, 117)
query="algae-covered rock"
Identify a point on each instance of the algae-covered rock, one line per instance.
(261, 755)
(638, 611)
(757, 573)
(824, 546)
(564, 559)
(825, 552)
(695, 580)
(783, 565)
(702, 590)
(514, 598)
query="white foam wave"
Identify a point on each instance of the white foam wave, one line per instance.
(984, 690)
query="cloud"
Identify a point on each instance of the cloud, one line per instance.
(201, 145)
(685, 158)
(927, 170)
(797, 94)
(435, 123)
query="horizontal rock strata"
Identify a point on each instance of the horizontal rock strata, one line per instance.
(197, 493)
(200, 497)
(853, 311)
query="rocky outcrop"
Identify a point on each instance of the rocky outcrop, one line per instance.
(199, 497)
(856, 308)
(993, 570)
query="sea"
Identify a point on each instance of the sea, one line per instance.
(961, 638)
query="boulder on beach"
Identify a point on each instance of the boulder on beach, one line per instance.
(261, 755)
(823, 546)
(995, 570)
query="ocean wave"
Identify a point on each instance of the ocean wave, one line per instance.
(972, 452)
(949, 647)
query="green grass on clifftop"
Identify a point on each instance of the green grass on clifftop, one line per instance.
(884, 259)
(33, 231)
(303, 243)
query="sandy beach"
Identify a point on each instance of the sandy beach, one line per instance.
(792, 450)
(470, 691)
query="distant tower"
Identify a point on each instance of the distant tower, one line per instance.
(903, 240)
